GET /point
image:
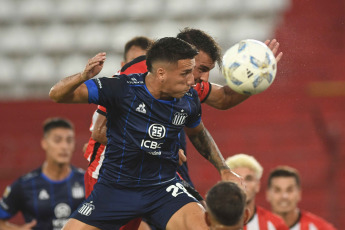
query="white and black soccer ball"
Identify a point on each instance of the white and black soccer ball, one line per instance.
(249, 67)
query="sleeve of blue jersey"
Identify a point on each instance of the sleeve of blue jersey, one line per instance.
(93, 91)
(4, 215)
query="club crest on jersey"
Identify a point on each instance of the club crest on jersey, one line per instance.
(86, 209)
(179, 118)
(62, 210)
(141, 108)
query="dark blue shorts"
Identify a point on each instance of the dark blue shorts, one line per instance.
(112, 206)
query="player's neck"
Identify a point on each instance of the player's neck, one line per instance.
(291, 218)
(55, 171)
(251, 206)
(155, 88)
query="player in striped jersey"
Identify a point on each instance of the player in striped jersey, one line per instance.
(94, 152)
(145, 114)
(48, 195)
(284, 193)
(220, 97)
(251, 171)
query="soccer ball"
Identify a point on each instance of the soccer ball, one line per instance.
(249, 67)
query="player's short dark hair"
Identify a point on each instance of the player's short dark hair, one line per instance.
(202, 41)
(56, 122)
(140, 41)
(284, 171)
(226, 202)
(169, 49)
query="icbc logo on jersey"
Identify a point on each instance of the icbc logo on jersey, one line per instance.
(155, 131)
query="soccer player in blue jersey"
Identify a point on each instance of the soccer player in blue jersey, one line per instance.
(48, 195)
(145, 114)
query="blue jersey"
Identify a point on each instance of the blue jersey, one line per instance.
(143, 132)
(37, 197)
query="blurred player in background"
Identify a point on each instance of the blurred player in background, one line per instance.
(250, 169)
(48, 195)
(226, 207)
(284, 193)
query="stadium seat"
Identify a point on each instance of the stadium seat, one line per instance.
(182, 9)
(224, 8)
(8, 72)
(93, 38)
(74, 11)
(109, 10)
(57, 40)
(164, 28)
(18, 40)
(123, 33)
(152, 9)
(38, 70)
(40, 11)
(249, 28)
(70, 65)
(7, 10)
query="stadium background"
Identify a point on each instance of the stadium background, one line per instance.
(299, 121)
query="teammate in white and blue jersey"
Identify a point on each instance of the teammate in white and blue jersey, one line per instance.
(48, 195)
(145, 114)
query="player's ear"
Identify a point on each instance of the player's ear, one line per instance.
(161, 74)
(246, 216)
(43, 144)
(207, 218)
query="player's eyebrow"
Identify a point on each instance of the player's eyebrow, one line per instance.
(187, 71)
(204, 68)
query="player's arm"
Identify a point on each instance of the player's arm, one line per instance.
(100, 129)
(222, 97)
(206, 146)
(71, 89)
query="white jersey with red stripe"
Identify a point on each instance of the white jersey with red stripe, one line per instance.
(265, 220)
(309, 221)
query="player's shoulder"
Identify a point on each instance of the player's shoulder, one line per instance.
(269, 216)
(316, 220)
(191, 94)
(137, 65)
(135, 79)
(34, 174)
(78, 171)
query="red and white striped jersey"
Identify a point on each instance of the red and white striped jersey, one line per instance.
(265, 220)
(309, 221)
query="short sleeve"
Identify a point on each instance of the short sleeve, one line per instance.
(107, 91)
(11, 200)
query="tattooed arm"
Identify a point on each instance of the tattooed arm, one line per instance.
(204, 143)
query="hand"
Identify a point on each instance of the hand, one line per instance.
(274, 46)
(228, 175)
(29, 225)
(181, 157)
(94, 66)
